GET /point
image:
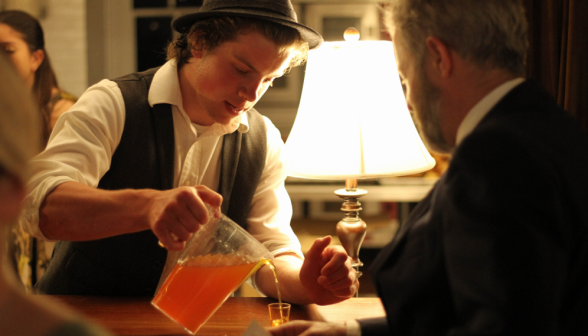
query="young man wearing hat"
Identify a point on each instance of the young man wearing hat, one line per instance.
(134, 161)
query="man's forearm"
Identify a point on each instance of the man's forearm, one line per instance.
(77, 212)
(288, 271)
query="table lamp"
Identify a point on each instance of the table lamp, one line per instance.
(353, 123)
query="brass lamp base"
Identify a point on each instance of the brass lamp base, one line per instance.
(351, 229)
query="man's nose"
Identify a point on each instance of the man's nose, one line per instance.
(251, 91)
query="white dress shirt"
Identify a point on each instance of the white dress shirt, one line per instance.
(84, 139)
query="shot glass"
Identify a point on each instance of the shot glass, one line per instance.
(279, 313)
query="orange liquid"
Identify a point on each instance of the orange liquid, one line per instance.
(193, 292)
(277, 322)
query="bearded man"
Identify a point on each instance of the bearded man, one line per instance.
(500, 245)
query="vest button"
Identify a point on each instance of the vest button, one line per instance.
(157, 265)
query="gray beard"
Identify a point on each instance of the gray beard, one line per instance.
(428, 119)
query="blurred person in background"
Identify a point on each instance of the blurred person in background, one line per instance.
(22, 314)
(22, 39)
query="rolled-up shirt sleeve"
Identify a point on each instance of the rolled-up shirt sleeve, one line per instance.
(271, 208)
(80, 148)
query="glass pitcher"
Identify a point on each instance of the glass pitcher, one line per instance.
(216, 261)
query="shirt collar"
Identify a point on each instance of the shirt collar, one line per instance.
(240, 124)
(481, 109)
(165, 89)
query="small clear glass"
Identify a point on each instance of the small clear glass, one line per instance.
(279, 313)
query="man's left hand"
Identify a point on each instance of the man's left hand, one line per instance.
(327, 274)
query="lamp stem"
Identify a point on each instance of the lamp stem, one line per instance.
(351, 229)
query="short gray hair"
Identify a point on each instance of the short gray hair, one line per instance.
(490, 33)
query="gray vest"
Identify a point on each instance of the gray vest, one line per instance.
(131, 264)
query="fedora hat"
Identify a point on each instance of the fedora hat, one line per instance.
(278, 11)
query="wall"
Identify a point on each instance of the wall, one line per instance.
(111, 37)
(64, 24)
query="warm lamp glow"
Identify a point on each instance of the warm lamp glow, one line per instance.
(353, 121)
(351, 34)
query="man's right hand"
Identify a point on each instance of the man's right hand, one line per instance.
(174, 215)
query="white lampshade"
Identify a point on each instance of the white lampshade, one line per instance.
(353, 121)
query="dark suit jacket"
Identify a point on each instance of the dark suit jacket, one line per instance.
(500, 245)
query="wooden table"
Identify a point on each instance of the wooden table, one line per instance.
(136, 316)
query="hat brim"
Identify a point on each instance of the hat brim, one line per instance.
(183, 23)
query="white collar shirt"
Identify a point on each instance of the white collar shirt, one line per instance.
(84, 139)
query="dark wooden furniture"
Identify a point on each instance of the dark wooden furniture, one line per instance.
(136, 316)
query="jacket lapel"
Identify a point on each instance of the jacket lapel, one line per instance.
(421, 210)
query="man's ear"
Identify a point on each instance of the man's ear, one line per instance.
(197, 50)
(197, 53)
(37, 58)
(440, 56)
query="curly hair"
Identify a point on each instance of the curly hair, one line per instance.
(211, 33)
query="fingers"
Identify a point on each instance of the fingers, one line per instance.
(316, 250)
(211, 197)
(340, 280)
(187, 210)
(337, 275)
(176, 214)
(180, 233)
(334, 257)
(168, 239)
(189, 222)
(198, 213)
(346, 291)
(194, 200)
(196, 204)
(343, 287)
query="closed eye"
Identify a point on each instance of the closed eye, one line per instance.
(7, 48)
(241, 71)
